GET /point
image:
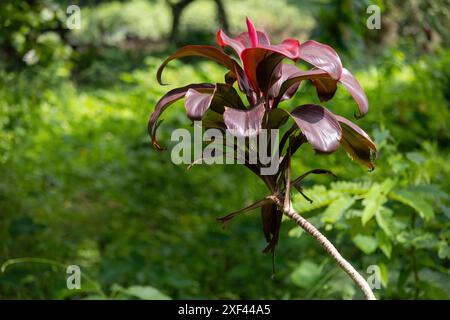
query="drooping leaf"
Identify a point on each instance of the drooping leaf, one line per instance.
(258, 204)
(357, 143)
(271, 220)
(319, 126)
(321, 56)
(325, 88)
(196, 103)
(354, 88)
(294, 78)
(244, 123)
(209, 52)
(168, 99)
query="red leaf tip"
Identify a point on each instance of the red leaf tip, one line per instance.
(252, 32)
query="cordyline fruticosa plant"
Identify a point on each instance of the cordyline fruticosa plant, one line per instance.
(263, 77)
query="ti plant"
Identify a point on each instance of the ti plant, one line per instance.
(259, 70)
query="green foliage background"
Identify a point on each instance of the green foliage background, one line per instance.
(80, 183)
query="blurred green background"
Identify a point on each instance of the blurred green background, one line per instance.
(80, 183)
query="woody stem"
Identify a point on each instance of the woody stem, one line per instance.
(327, 245)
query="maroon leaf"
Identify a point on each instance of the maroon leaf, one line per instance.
(241, 42)
(325, 87)
(271, 220)
(249, 39)
(287, 71)
(319, 126)
(353, 86)
(357, 143)
(196, 103)
(169, 98)
(321, 56)
(210, 52)
(257, 204)
(294, 78)
(244, 123)
(260, 66)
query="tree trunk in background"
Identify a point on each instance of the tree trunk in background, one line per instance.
(177, 9)
(222, 16)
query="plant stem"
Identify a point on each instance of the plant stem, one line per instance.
(327, 245)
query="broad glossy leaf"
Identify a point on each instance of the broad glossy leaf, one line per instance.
(357, 143)
(325, 87)
(354, 88)
(319, 126)
(295, 77)
(321, 56)
(196, 103)
(244, 123)
(169, 98)
(209, 52)
(259, 65)
(287, 71)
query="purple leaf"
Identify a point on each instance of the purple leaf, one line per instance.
(319, 126)
(210, 52)
(271, 220)
(352, 85)
(294, 78)
(241, 42)
(357, 143)
(321, 56)
(244, 123)
(325, 87)
(169, 98)
(196, 103)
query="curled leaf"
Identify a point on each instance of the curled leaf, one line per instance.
(357, 143)
(319, 126)
(168, 99)
(209, 52)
